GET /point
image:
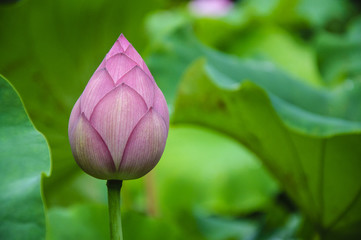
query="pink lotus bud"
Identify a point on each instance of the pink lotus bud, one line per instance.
(210, 8)
(119, 125)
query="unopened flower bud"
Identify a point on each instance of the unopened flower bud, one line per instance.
(119, 125)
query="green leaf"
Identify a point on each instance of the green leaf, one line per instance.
(308, 165)
(330, 112)
(313, 127)
(212, 173)
(277, 45)
(78, 222)
(24, 159)
(244, 38)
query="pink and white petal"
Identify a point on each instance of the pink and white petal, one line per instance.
(123, 41)
(145, 146)
(141, 83)
(74, 116)
(134, 55)
(90, 151)
(118, 65)
(160, 105)
(116, 48)
(115, 117)
(99, 85)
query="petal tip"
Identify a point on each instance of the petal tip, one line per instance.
(124, 43)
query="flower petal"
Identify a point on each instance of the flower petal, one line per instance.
(145, 146)
(117, 48)
(123, 41)
(140, 82)
(74, 116)
(134, 55)
(115, 117)
(90, 151)
(160, 105)
(99, 85)
(118, 65)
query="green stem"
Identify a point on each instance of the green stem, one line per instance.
(115, 222)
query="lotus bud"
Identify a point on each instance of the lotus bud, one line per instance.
(119, 125)
(210, 8)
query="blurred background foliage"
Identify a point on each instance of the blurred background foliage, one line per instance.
(266, 117)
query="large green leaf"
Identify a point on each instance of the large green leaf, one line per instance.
(298, 131)
(203, 172)
(319, 169)
(243, 36)
(180, 48)
(304, 135)
(78, 222)
(277, 45)
(24, 158)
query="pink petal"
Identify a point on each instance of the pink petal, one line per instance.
(123, 41)
(115, 117)
(140, 82)
(118, 65)
(90, 151)
(99, 85)
(74, 116)
(145, 146)
(134, 55)
(117, 48)
(160, 105)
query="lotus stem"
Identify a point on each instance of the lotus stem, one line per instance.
(115, 222)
